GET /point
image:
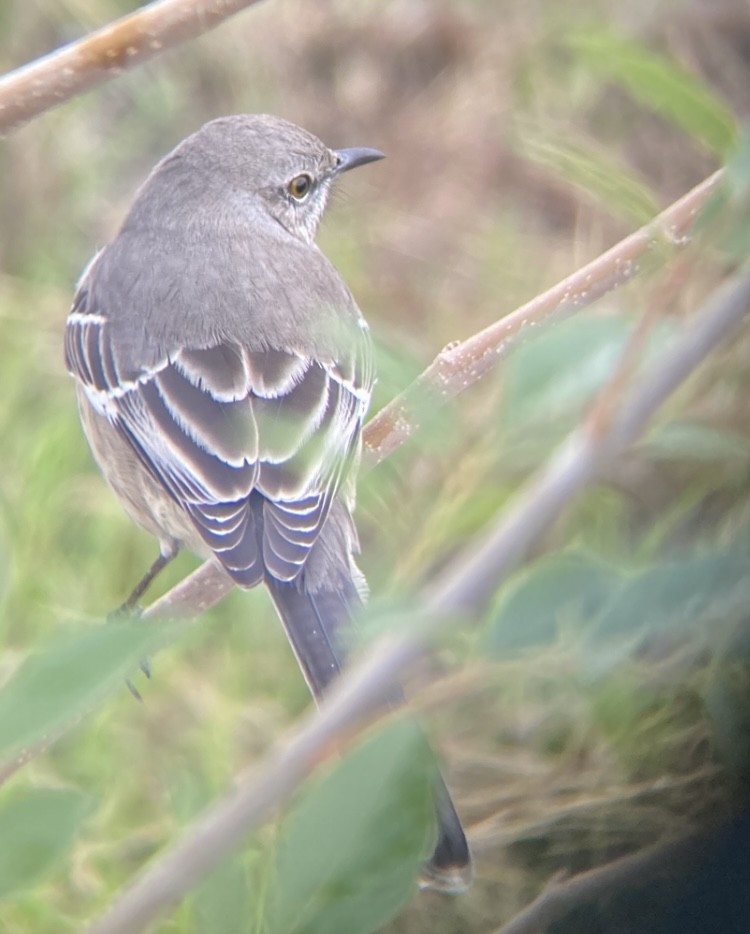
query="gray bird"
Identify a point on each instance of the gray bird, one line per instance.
(223, 374)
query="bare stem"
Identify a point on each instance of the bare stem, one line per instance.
(37, 87)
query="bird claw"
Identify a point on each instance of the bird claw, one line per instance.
(134, 691)
(131, 611)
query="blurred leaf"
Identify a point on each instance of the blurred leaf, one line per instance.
(597, 175)
(551, 378)
(661, 85)
(397, 367)
(695, 441)
(737, 175)
(677, 595)
(725, 220)
(536, 600)
(353, 847)
(222, 901)
(37, 827)
(4, 558)
(65, 680)
(560, 369)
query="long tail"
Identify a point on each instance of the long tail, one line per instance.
(317, 625)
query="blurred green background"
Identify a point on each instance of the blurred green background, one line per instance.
(603, 704)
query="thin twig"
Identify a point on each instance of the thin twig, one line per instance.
(42, 84)
(463, 588)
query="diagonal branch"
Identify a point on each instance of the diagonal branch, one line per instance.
(43, 84)
(464, 588)
(462, 365)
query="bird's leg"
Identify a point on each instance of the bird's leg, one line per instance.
(131, 609)
(130, 606)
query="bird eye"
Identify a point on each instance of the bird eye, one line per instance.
(300, 186)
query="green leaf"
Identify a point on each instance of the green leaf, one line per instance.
(661, 85)
(551, 378)
(558, 371)
(615, 187)
(64, 681)
(352, 849)
(37, 827)
(676, 595)
(724, 220)
(222, 901)
(536, 600)
(737, 175)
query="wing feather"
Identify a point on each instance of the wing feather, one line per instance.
(252, 444)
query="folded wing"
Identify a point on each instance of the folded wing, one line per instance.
(252, 444)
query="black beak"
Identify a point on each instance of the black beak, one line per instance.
(351, 158)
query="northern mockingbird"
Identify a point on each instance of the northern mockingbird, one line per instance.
(223, 373)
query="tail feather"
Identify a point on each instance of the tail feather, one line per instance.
(449, 869)
(317, 625)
